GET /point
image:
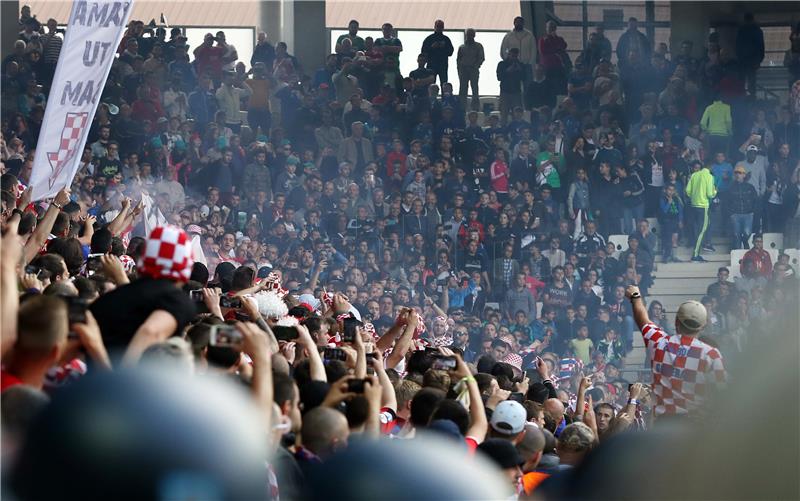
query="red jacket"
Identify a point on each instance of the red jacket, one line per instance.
(758, 261)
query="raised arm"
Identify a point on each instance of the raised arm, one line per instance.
(315, 366)
(159, 326)
(39, 237)
(10, 253)
(479, 425)
(637, 305)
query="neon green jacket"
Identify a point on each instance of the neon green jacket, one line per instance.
(700, 188)
(717, 119)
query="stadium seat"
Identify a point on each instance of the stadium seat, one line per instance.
(620, 242)
(772, 241)
(736, 261)
(794, 257)
(654, 226)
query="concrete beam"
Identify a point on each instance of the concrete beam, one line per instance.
(9, 25)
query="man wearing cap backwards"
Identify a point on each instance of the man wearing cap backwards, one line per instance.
(683, 366)
(152, 308)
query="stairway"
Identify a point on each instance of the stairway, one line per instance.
(675, 283)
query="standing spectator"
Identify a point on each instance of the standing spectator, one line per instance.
(539, 91)
(633, 40)
(506, 273)
(391, 47)
(749, 51)
(630, 189)
(259, 115)
(699, 364)
(510, 73)
(740, 200)
(670, 219)
(700, 190)
(263, 52)
(356, 42)
(755, 165)
(469, 59)
(229, 98)
(499, 174)
(51, 43)
(718, 125)
(356, 149)
(525, 42)
(208, 58)
(438, 48)
(203, 102)
(554, 58)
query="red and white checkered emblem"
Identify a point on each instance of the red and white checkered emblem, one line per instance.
(70, 136)
(168, 254)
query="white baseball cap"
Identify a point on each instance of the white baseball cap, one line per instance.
(509, 418)
(692, 315)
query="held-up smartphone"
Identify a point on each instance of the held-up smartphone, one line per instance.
(230, 302)
(93, 263)
(284, 333)
(32, 270)
(350, 330)
(355, 386)
(334, 354)
(372, 356)
(442, 363)
(76, 310)
(224, 336)
(517, 396)
(196, 295)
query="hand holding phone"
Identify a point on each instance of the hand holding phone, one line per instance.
(225, 336)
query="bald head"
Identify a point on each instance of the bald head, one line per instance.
(324, 431)
(553, 413)
(531, 446)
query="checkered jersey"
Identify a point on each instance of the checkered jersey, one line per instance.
(683, 368)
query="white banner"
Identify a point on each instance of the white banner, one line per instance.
(94, 32)
(153, 217)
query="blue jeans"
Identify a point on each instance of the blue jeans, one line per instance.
(742, 227)
(630, 215)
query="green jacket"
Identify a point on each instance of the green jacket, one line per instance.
(717, 119)
(700, 188)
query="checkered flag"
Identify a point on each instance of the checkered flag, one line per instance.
(67, 146)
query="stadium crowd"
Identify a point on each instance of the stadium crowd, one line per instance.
(371, 255)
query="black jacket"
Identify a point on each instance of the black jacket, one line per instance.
(741, 198)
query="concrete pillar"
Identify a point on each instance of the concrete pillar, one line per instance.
(9, 25)
(270, 20)
(310, 36)
(299, 23)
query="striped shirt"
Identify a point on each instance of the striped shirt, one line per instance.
(683, 368)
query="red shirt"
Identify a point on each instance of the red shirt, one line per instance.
(499, 172)
(209, 60)
(393, 157)
(7, 380)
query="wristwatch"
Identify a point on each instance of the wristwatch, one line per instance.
(636, 295)
(57, 205)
